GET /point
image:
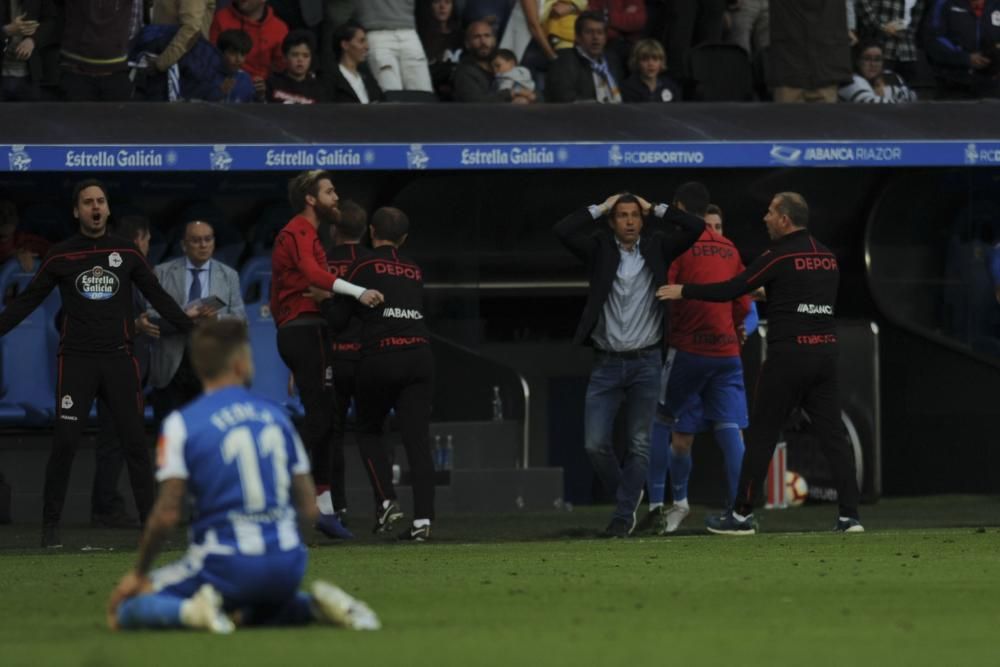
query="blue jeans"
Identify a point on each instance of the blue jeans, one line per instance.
(636, 383)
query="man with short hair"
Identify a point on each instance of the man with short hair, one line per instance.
(626, 259)
(189, 279)
(297, 263)
(396, 370)
(588, 72)
(348, 233)
(94, 272)
(473, 78)
(801, 277)
(241, 461)
(702, 383)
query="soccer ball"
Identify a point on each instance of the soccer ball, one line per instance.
(796, 488)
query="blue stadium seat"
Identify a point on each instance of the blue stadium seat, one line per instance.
(269, 222)
(27, 356)
(270, 373)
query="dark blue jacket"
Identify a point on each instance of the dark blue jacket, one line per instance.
(201, 71)
(954, 33)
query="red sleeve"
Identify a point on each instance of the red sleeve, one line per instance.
(213, 32)
(314, 271)
(277, 57)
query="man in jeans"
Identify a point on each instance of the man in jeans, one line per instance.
(397, 57)
(626, 259)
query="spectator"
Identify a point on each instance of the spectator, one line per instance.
(17, 243)
(299, 14)
(474, 76)
(94, 54)
(352, 81)
(626, 20)
(441, 35)
(809, 57)
(962, 46)
(526, 37)
(750, 24)
(689, 23)
(893, 25)
(397, 57)
(193, 17)
(494, 12)
(336, 13)
(187, 280)
(508, 75)
(560, 18)
(585, 73)
(267, 32)
(236, 86)
(648, 83)
(297, 84)
(28, 27)
(873, 84)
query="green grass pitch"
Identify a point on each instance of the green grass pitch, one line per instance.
(538, 590)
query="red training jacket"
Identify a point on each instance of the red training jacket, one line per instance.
(702, 327)
(297, 262)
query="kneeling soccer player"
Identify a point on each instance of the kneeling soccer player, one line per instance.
(241, 460)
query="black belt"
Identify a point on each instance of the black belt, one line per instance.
(627, 354)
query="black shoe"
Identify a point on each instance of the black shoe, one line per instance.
(387, 516)
(413, 534)
(848, 525)
(618, 528)
(341, 516)
(50, 537)
(652, 521)
(117, 519)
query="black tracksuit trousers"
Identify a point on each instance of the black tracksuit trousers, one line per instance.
(795, 376)
(115, 378)
(403, 380)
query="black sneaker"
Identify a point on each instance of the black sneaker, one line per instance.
(413, 534)
(341, 516)
(387, 516)
(848, 525)
(50, 537)
(618, 528)
(727, 524)
(652, 521)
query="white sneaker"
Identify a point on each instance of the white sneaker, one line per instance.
(338, 608)
(203, 611)
(673, 517)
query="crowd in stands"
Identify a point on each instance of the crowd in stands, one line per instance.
(611, 51)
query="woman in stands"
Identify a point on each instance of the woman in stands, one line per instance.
(441, 34)
(351, 80)
(873, 84)
(648, 83)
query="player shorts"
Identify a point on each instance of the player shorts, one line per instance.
(697, 390)
(268, 579)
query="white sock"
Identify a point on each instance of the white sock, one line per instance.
(654, 506)
(325, 503)
(420, 523)
(683, 504)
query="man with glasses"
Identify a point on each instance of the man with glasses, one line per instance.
(191, 280)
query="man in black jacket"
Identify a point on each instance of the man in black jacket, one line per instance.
(588, 72)
(95, 273)
(473, 78)
(396, 370)
(622, 320)
(801, 277)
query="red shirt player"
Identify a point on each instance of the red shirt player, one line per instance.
(304, 342)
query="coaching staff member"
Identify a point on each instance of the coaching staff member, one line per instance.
(622, 320)
(396, 370)
(95, 273)
(348, 232)
(304, 343)
(801, 278)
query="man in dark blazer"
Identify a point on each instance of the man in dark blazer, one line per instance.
(627, 259)
(588, 72)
